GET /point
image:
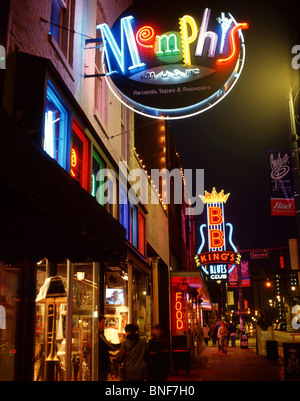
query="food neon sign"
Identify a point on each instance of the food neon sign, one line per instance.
(179, 312)
(166, 67)
(218, 261)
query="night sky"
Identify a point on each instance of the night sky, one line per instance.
(231, 140)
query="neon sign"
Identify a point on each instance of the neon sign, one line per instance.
(218, 261)
(74, 162)
(178, 311)
(163, 66)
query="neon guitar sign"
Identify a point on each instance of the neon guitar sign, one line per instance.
(218, 261)
(166, 68)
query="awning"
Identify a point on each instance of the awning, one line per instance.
(193, 280)
(43, 211)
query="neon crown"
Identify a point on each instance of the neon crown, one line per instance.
(214, 197)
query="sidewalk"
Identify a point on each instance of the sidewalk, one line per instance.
(237, 365)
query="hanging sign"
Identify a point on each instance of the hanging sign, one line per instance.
(172, 66)
(178, 312)
(282, 191)
(218, 261)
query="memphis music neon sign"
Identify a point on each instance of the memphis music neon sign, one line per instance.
(218, 261)
(172, 68)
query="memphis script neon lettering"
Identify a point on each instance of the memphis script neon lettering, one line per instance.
(170, 47)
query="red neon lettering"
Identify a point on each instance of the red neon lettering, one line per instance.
(203, 259)
(179, 323)
(178, 308)
(145, 36)
(216, 238)
(215, 216)
(73, 161)
(233, 48)
(178, 305)
(178, 296)
(224, 256)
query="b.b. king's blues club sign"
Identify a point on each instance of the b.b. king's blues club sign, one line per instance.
(165, 65)
(217, 254)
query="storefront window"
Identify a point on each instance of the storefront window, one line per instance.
(124, 210)
(66, 351)
(111, 194)
(116, 312)
(142, 239)
(10, 294)
(97, 165)
(141, 302)
(56, 127)
(79, 156)
(133, 225)
(50, 328)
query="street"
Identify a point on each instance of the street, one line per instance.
(237, 365)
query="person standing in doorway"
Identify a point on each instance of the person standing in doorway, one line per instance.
(104, 367)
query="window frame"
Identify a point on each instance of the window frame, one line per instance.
(62, 26)
(101, 165)
(141, 233)
(77, 129)
(53, 97)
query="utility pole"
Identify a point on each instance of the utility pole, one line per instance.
(240, 297)
(294, 148)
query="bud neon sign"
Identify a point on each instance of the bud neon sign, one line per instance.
(218, 261)
(172, 68)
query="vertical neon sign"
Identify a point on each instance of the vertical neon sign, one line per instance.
(214, 262)
(179, 312)
(216, 227)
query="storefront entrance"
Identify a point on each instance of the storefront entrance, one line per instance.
(189, 296)
(66, 334)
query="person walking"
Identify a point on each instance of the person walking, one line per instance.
(132, 355)
(104, 366)
(218, 326)
(232, 333)
(223, 337)
(158, 355)
(214, 334)
(206, 333)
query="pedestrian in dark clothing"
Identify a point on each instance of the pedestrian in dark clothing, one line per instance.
(133, 355)
(206, 332)
(104, 367)
(214, 332)
(158, 355)
(232, 333)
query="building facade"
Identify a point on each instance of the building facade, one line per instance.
(75, 242)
